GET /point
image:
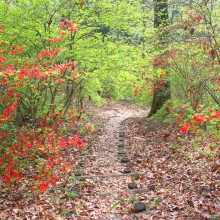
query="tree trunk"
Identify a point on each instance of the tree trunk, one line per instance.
(162, 91)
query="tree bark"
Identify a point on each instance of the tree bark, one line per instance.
(162, 91)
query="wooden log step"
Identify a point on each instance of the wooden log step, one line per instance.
(107, 193)
(108, 175)
(103, 156)
(103, 165)
(100, 156)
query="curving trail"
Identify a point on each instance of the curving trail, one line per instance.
(103, 169)
(114, 114)
(171, 178)
(171, 182)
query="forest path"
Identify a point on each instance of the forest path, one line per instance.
(103, 168)
(170, 176)
(114, 115)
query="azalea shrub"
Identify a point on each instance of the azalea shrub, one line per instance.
(36, 111)
(204, 124)
(193, 63)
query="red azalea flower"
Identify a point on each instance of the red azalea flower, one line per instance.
(186, 127)
(199, 117)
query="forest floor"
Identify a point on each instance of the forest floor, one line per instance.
(170, 177)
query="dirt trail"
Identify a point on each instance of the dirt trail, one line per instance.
(104, 160)
(114, 114)
(174, 181)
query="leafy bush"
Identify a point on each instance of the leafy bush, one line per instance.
(36, 112)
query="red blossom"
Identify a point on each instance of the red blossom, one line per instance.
(180, 116)
(61, 33)
(199, 107)
(16, 51)
(136, 92)
(48, 53)
(199, 117)
(186, 127)
(16, 175)
(63, 67)
(8, 170)
(69, 25)
(159, 62)
(88, 127)
(212, 137)
(54, 40)
(215, 114)
(43, 186)
(170, 108)
(6, 134)
(183, 106)
(3, 59)
(6, 179)
(198, 18)
(163, 75)
(77, 142)
(6, 115)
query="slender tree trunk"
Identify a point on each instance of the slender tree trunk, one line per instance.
(162, 91)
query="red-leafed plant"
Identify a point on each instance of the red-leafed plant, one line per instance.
(36, 111)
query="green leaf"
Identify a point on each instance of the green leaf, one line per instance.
(72, 194)
(117, 204)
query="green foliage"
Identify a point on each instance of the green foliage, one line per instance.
(119, 202)
(134, 199)
(72, 195)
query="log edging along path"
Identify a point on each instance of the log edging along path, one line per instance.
(107, 193)
(108, 175)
